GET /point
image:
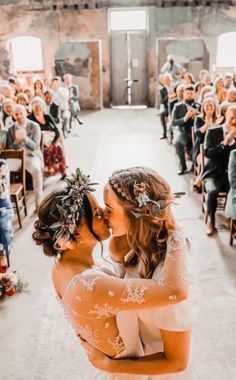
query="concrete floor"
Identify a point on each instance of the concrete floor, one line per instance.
(37, 343)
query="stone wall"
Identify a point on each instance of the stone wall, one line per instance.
(55, 27)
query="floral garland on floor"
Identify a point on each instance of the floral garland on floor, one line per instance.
(10, 284)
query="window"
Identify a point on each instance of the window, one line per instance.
(26, 54)
(226, 54)
(128, 20)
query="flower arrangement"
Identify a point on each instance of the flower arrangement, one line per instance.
(10, 284)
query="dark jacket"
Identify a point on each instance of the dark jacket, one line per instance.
(218, 155)
(48, 126)
(54, 112)
(164, 96)
(179, 112)
(199, 137)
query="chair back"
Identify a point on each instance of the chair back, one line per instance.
(16, 162)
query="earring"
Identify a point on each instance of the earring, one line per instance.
(98, 214)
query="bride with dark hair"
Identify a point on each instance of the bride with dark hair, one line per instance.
(103, 308)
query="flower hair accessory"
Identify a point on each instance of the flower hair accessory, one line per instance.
(71, 209)
(142, 199)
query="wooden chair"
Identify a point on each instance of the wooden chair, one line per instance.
(222, 196)
(232, 230)
(17, 181)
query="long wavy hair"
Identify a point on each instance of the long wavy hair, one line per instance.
(148, 234)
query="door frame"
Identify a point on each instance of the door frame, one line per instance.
(110, 10)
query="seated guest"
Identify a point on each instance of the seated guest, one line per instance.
(51, 108)
(189, 79)
(207, 79)
(6, 215)
(179, 91)
(208, 118)
(6, 89)
(206, 91)
(198, 88)
(53, 150)
(218, 143)
(3, 135)
(38, 88)
(231, 96)
(25, 134)
(22, 98)
(230, 208)
(228, 80)
(183, 118)
(220, 89)
(202, 73)
(8, 106)
(29, 91)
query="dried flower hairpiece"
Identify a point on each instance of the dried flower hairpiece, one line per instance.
(141, 199)
(71, 209)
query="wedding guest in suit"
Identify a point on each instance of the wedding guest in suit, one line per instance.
(183, 118)
(219, 141)
(51, 108)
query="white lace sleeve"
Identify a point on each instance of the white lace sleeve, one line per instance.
(102, 296)
(175, 270)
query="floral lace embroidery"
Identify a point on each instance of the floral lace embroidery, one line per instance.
(87, 333)
(184, 275)
(133, 295)
(175, 236)
(111, 293)
(102, 311)
(88, 284)
(117, 344)
(160, 281)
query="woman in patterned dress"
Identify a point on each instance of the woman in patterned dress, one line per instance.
(6, 215)
(70, 225)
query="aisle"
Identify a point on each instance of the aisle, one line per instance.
(37, 343)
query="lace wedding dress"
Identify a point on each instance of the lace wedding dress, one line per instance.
(139, 330)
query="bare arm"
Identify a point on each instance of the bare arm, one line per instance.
(174, 357)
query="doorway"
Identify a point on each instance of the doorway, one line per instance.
(128, 37)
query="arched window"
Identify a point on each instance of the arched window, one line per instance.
(26, 54)
(226, 55)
